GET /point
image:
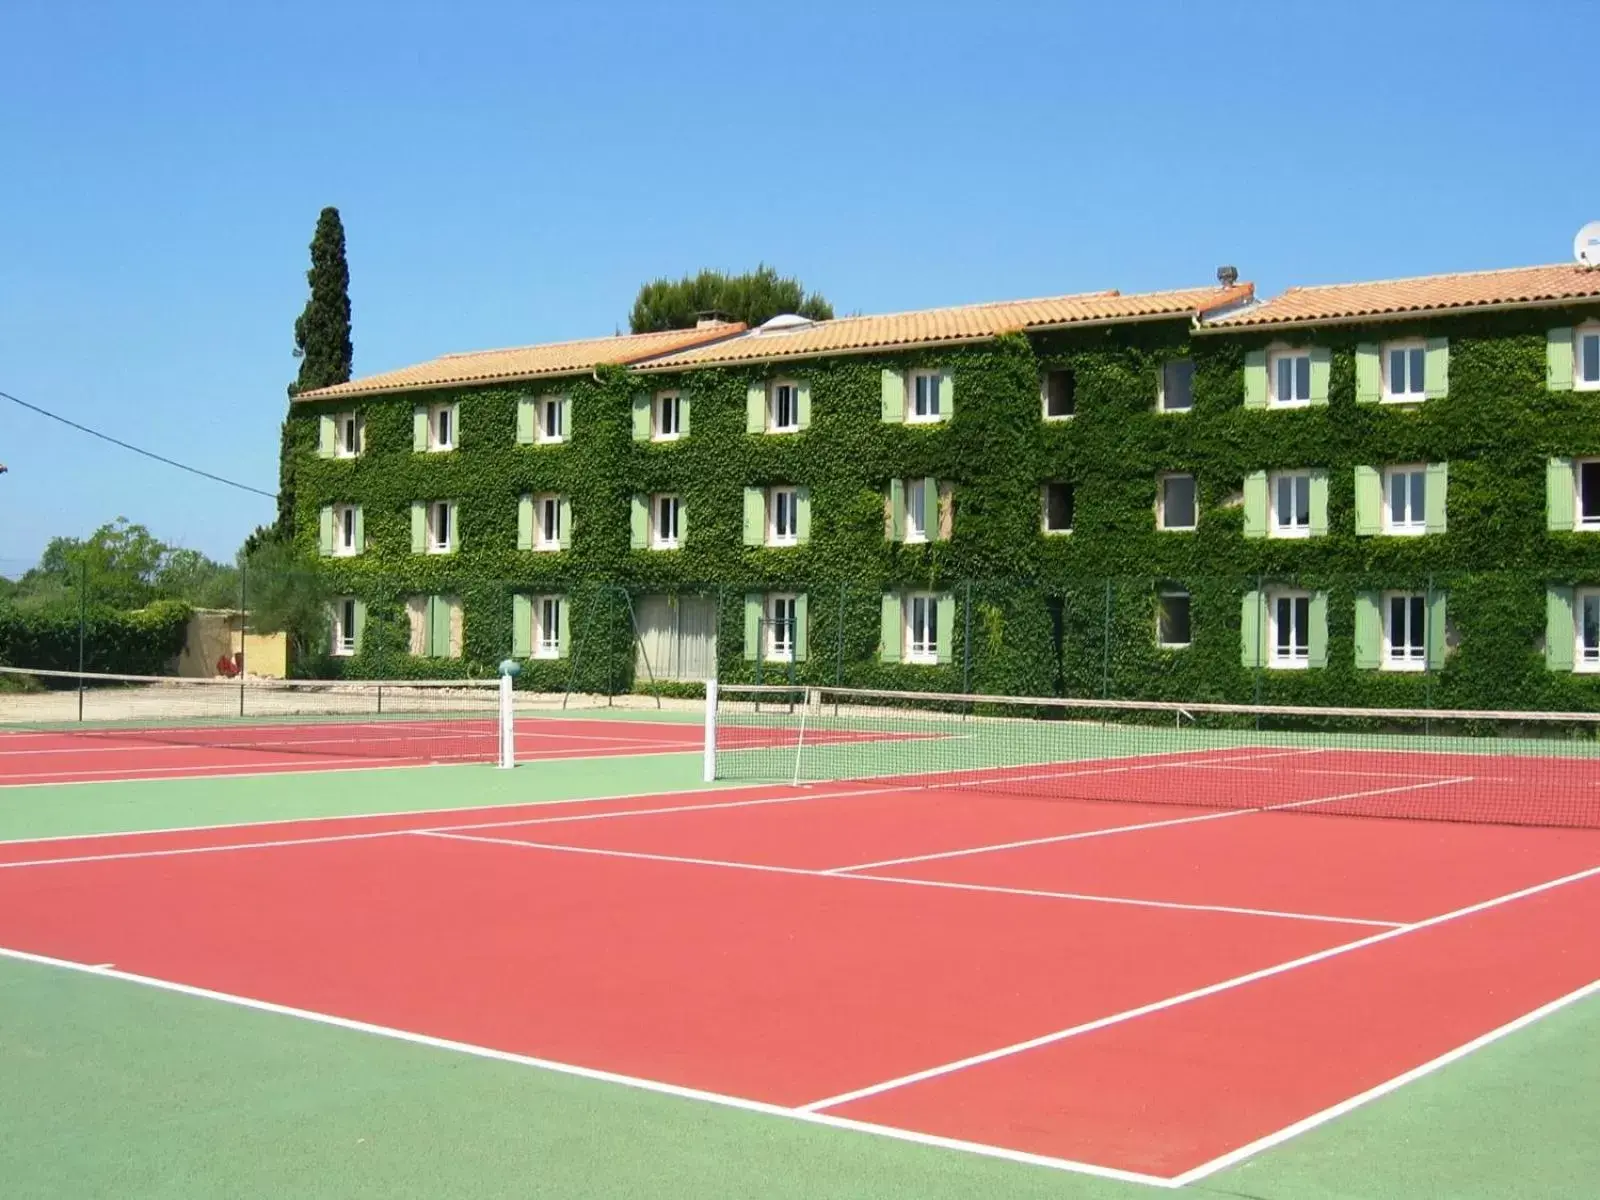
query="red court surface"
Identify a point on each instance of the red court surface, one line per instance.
(1141, 990)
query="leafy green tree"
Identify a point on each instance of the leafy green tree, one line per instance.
(753, 297)
(321, 342)
(117, 564)
(287, 594)
(203, 582)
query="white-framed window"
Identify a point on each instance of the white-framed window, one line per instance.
(547, 529)
(344, 626)
(1404, 371)
(1586, 475)
(549, 419)
(1057, 507)
(1059, 393)
(347, 430)
(667, 417)
(441, 526)
(1586, 616)
(924, 397)
(1177, 504)
(1172, 619)
(1586, 357)
(1405, 499)
(1405, 631)
(1289, 629)
(922, 628)
(783, 521)
(442, 427)
(1289, 378)
(1177, 386)
(780, 628)
(546, 639)
(916, 511)
(1290, 496)
(664, 514)
(345, 540)
(783, 407)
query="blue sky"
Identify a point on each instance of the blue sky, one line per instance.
(510, 173)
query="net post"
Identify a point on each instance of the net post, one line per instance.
(708, 771)
(508, 734)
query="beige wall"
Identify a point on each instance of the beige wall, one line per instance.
(215, 634)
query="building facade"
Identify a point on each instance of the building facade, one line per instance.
(1379, 493)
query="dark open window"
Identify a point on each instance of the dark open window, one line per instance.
(1060, 393)
(1058, 507)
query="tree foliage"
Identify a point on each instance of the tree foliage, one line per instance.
(753, 297)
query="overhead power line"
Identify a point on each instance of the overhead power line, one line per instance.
(160, 458)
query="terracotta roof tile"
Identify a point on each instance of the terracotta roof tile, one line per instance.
(524, 362)
(973, 322)
(1395, 298)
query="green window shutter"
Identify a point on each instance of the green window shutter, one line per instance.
(527, 407)
(683, 522)
(802, 515)
(1321, 371)
(755, 516)
(419, 427)
(800, 639)
(1255, 379)
(1369, 631)
(1558, 360)
(1436, 630)
(1560, 499)
(802, 404)
(889, 628)
(1369, 501)
(930, 508)
(897, 510)
(419, 526)
(455, 527)
(944, 617)
(566, 418)
(1250, 629)
(521, 626)
(947, 395)
(1317, 650)
(754, 607)
(641, 416)
(325, 530)
(894, 401)
(683, 415)
(1434, 502)
(1255, 504)
(755, 408)
(439, 627)
(361, 529)
(1436, 369)
(1319, 503)
(325, 436)
(524, 522)
(639, 523)
(1560, 634)
(361, 623)
(565, 540)
(1369, 375)
(563, 628)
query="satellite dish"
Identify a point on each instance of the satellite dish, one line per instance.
(1586, 246)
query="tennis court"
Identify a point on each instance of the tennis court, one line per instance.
(1168, 951)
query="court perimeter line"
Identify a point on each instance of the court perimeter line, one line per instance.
(1251, 1149)
(135, 743)
(1213, 989)
(952, 885)
(594, 1074)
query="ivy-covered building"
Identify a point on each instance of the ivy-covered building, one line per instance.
(1372, 493)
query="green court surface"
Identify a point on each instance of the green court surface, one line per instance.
(110, 1089)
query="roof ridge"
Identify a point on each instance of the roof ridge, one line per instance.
(604, 337)
(1322, 287)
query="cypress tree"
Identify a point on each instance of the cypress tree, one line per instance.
(321, 342)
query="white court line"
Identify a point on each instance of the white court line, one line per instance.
(591, 1073)
(1189, 820)
(1060, 1035)
(1250, 1150)
(949, 885)
(165, 744)
(181, 851)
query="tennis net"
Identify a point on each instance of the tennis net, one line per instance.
(1523, 768)
(397, 720)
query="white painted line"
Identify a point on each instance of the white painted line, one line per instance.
(1234, 1157)
(1060, 1035)
(948, 885)
(595, 1074)
(181, 851)
(167, 742)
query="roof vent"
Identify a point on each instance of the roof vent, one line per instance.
(710, 318)
(785, 323)
(1227, 276)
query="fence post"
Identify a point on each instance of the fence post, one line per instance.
(1261, 641)
(244, 626)
(83, 617)
(1105, 647)
(966, 643)
(838, 670)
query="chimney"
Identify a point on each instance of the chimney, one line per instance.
(1227, 276)
(710, 319)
